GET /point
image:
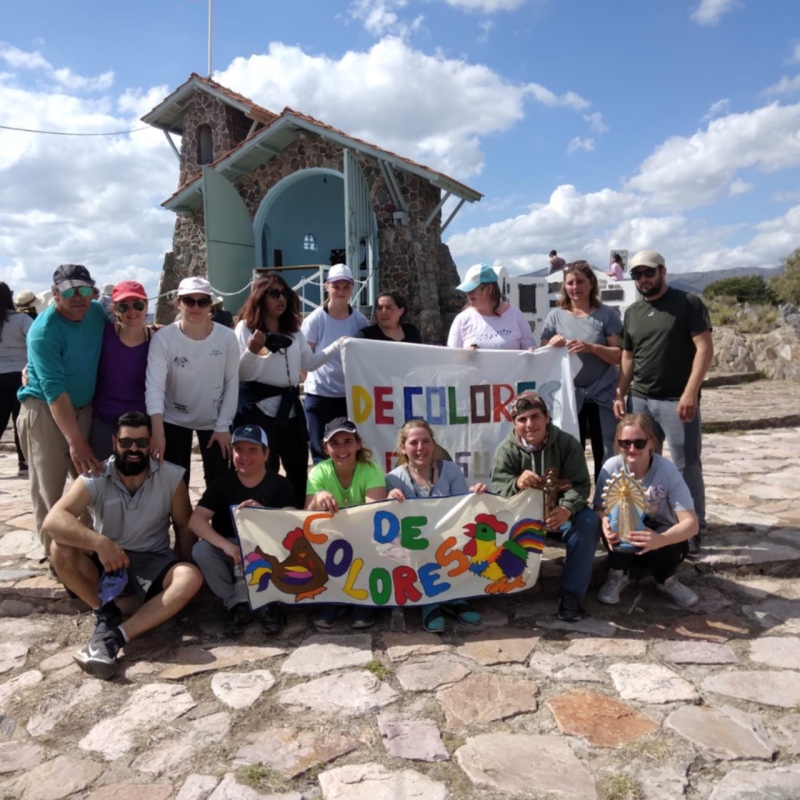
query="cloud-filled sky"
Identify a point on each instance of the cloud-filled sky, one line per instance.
(587, 126)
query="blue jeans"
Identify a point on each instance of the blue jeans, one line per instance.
(581, 535)
(685, 444)
(319, 412)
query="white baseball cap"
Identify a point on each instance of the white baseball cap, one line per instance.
(340, 272)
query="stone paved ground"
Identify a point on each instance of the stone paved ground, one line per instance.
(642, 700)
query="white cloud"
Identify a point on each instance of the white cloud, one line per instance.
(738, 187)
(596, 123)
(783, 197)
(717, 109)
(486, 26)
(488, 6)
(709, 12)
(785, 86)
(35, 61)
(687, 171)
(577, 143)
(794, 58)
(379, 17)
(428, 107)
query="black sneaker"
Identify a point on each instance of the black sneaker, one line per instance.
(569, 608)
(239, 617)
(363, 617)
(107, 617)
(271, 618)
(694, 547)
(99, 656)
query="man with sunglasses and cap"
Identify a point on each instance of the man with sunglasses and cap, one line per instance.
(666, 352)
(56, 415)
(132, 503)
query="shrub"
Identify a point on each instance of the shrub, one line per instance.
(787, 285)
(745, 289)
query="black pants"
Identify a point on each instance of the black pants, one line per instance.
(287, 445)
(178, 450)
(662, 562)
(589, 426)
(319, 412)
(9, 407)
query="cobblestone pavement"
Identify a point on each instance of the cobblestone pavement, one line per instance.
(640, 700)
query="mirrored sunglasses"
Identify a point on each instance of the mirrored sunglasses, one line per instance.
(626, 444)
(127, 442)
(202, 302)
(137, 305)
(83, 291)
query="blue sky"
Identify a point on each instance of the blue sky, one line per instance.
(587, 125)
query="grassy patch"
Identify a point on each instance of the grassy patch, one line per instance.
(619, 787)
(378, 669)
(260, 777)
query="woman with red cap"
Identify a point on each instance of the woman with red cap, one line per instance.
(123, 364)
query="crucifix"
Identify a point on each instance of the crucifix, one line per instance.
(552, 486)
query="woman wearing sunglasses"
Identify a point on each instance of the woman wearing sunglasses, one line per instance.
(193, 384)
(123, 364)
(273, 352)
(669, 523)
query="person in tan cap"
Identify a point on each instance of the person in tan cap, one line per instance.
(666, 352)
(25, 303)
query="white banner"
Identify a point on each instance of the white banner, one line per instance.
(463, 394)
(393, 554)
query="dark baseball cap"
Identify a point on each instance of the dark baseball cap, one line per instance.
(338, 425)
(74, 274)
(250, 433)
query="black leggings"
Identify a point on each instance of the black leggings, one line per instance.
(590, 428)
(663, 562)
(178, 450)
(9, 407)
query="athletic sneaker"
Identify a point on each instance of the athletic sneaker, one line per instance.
(325, 618)
(99, 656)
(363, 617)
(681, 595)
(239, 617)
(271, 618)
(694, 547)
(615, 584)
(106, 617)
(569, 609)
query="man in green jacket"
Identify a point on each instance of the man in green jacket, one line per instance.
(520, 461)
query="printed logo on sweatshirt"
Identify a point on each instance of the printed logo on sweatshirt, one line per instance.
(215, 353)
(180, 361)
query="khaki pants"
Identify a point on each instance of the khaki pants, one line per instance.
(47, 454)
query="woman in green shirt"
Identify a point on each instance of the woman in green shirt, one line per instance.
(348, 477)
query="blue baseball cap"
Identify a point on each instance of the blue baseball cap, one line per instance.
(476, 275)
(250, 433)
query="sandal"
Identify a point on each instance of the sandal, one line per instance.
(463, 612)
(432, 618)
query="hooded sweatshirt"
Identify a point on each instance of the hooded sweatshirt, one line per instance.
(562, 451)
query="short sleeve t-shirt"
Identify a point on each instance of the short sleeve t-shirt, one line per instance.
(603, 322)
(660, 334)
(508, 331)
(274, 491)
(365, 477)
(666, 489)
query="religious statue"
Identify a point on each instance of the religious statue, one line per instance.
(552, 486)
(625, 504)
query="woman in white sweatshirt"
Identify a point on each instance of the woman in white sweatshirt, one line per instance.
(273, 352)
(193, 384)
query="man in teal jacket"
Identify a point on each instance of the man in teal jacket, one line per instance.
(533, 445)
(63, 354)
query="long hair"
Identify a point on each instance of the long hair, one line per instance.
(398, 299)
(363, 454)
(254, 310)
(6, 305)
(640, 420)
(495, 294)
(439, 453)
(584, 269)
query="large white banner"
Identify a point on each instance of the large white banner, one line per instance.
(393, 554)
(463, 394)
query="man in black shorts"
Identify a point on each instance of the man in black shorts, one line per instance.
(132, 502)
(218, 552)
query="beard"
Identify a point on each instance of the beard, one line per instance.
(131, 466)
(655, 288)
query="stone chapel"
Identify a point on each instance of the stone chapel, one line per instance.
(260, 190)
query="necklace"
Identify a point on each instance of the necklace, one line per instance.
(421, 488)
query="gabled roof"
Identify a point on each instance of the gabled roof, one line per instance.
(277, 134)
(169, 113)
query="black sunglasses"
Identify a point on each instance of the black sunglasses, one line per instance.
(647, 272)
(203, 302)
(138, 305)
(276, 293)
(141, 442)
(626, 444)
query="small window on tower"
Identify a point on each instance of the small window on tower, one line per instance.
(309, 242)
(205, 145)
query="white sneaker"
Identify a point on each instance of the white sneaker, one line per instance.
(615, 584)
(681, 595)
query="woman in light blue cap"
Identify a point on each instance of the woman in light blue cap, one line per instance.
(488, 321)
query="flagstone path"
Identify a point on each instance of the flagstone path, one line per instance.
(642, 700)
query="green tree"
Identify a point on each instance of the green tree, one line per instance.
(746, 289)
(786, 286)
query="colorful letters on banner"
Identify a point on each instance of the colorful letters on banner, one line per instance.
(393, 554)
